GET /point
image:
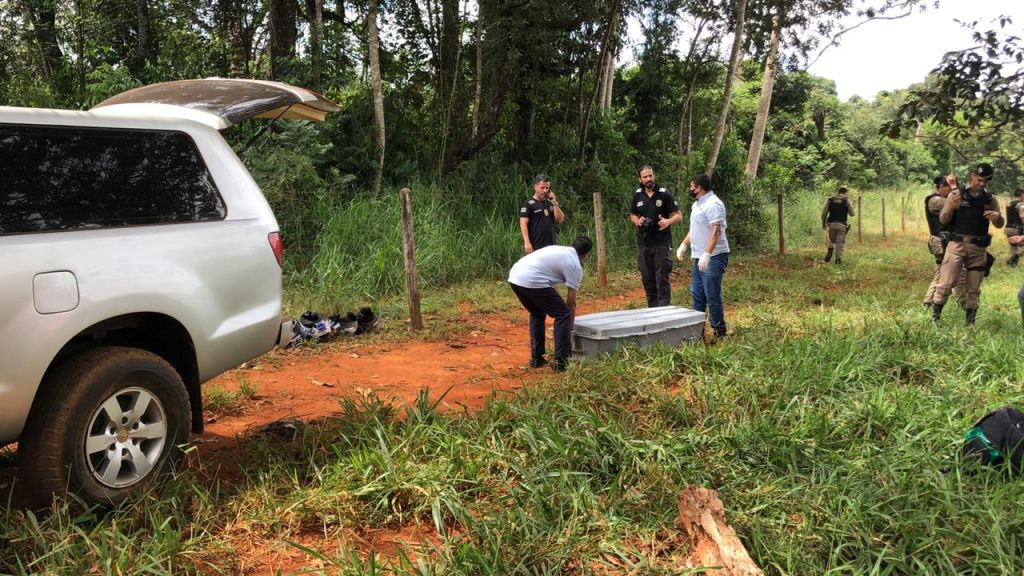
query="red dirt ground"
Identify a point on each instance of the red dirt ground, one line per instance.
(492, 357)
(489, 358)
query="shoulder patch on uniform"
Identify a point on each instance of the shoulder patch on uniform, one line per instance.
(531, 201)
(661, 189)
(522, 210)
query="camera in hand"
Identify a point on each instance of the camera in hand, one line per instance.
(649, 226)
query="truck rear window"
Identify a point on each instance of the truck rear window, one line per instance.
(71, 178)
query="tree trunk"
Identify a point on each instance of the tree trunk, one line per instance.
(684, 114)
(42, 14)
(605, 45)
(283, 34)
(604, 97)
(734, 64)
(449, 105)
(479, 78)
(502, 77)
(451, 42)
(234, 33)
(80, 48)
(378, 91)
(315, 8)
(765, 103)
(818, 116)
(610, 80)
(525, 117)
(143, 48)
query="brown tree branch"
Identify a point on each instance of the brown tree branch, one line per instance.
(834, 41)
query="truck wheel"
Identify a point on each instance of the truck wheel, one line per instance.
(112, 419)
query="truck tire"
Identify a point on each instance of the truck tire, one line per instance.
(112, 419)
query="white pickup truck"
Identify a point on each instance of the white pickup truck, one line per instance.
(140, 259)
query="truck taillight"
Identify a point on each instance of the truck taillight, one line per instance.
(277, 246)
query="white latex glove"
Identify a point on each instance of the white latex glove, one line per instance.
(681, 252)
(705, 260)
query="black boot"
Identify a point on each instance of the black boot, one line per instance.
(1012, 261)
(972, 315)
(937, 311)
(829, 255)
(839, 261)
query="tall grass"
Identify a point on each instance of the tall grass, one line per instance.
(356, 253)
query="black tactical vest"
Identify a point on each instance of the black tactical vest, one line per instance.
(1012, 216)
(838, 209)
(934, 226)
(969, 217)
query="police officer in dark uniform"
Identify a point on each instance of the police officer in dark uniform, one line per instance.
(539, 216)
(933, 204)
(835, 221)
(1014, 226)
(653, 211)
(967, 215)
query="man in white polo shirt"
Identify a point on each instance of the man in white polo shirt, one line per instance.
(533, 279)
(709, 250)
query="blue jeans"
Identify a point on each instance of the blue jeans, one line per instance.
(706, 288)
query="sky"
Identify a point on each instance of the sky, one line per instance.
(893, 54)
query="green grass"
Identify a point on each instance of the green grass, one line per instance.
(222, 402)
(829, 422)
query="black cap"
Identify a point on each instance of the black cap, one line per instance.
(984, 170)
(939, 181)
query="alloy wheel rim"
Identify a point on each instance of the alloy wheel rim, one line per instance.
(125, 437)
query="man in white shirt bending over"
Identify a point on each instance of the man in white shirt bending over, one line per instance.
(709, 250)
(533, 279)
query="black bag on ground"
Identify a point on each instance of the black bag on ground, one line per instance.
(997, 438)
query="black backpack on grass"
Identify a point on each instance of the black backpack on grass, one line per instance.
(996, 439)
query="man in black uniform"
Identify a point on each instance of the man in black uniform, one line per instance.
(1014, 227)
(653, 211)
(539, 216)
(967, 215)
(834, 220)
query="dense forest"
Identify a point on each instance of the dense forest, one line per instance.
(465, 100)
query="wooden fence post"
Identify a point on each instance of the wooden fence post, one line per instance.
(602, 274)
(903, 215)
(860, 237)
(782, 228)
(883, 217)
(409, 249)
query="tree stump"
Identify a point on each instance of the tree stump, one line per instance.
(713, 543)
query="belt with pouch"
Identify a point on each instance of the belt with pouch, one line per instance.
(983, 241)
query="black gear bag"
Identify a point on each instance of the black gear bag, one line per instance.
(996, 439)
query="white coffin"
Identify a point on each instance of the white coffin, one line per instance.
(604, 332)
